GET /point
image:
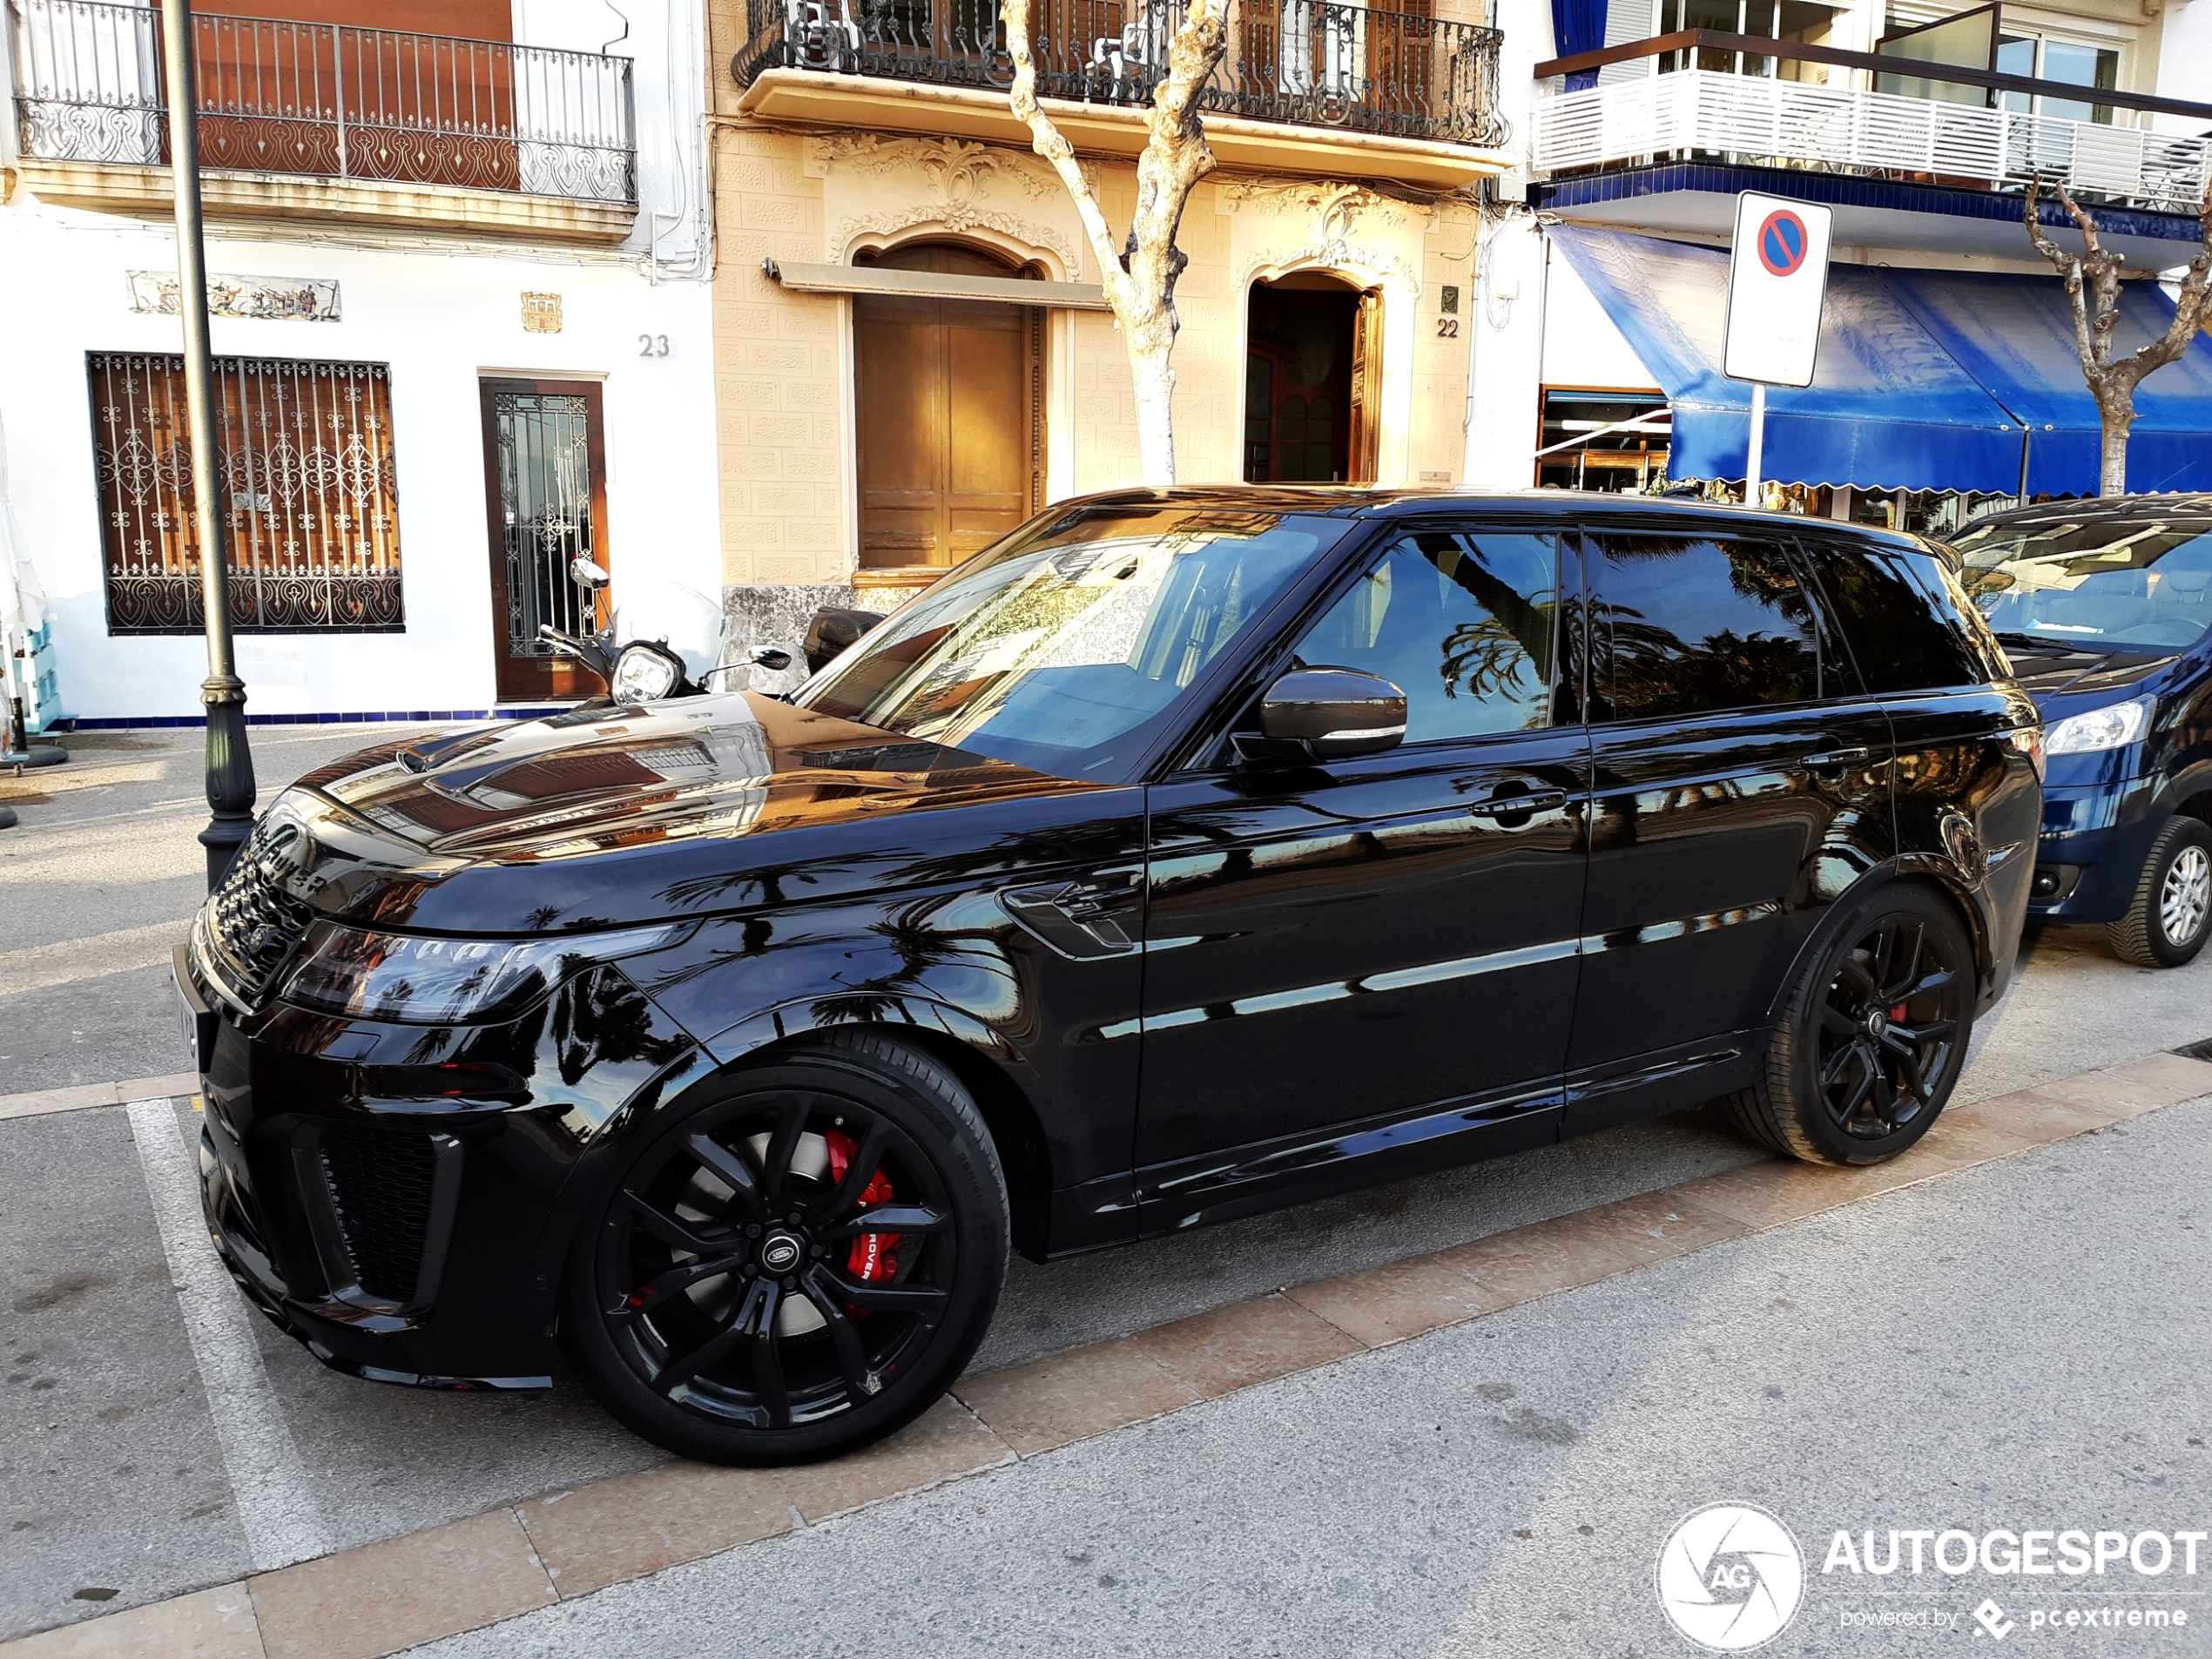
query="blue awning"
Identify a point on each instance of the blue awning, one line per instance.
(2015, 335)
(1889, 408)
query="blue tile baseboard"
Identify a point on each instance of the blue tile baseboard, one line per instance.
(404, 717)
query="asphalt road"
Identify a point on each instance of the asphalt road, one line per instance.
(110, 1478)
(96, 884)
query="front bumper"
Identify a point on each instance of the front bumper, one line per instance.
(401, 1198)
(2091, 852)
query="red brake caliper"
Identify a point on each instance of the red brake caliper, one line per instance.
(874, 1256)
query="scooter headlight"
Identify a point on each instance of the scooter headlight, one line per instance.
(645, 673)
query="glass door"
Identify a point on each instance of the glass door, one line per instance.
(545, 488)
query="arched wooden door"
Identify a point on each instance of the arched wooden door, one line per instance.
(950, 427)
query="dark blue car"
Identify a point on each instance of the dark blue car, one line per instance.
(2106, 609)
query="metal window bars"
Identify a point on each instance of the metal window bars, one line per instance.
(327, 100)
(312, 489)
(1302, 62)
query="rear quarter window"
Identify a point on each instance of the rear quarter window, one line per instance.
(1908, 624)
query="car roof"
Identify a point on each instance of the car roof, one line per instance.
(2189, 507)
(1361, 501)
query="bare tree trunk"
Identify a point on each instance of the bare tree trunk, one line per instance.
(2093, 284)
(2117, 413)
(1139, 277)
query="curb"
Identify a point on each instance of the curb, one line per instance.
(378, 1599)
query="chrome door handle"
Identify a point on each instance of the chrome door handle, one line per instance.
(1835, 758)
(1541, 800)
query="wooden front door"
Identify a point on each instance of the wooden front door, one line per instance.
(545, 491)
(950, 439)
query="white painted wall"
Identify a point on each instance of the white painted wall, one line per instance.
(441, 317)
(2184, 61)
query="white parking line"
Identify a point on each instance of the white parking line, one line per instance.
(278, 1514)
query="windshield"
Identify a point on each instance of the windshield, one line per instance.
(2141, 584)
(1067, 647)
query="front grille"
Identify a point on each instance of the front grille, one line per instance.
(380, 1184)
(251, 924)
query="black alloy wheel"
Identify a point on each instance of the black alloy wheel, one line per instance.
(1888, 1025)
(800, 1262)
(1874, 1036)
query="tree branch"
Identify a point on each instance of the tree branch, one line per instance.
(1047, 139)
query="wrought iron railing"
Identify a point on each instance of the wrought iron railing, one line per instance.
(327, 100)
(1303, 62)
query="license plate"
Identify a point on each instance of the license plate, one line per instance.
(196, 1024)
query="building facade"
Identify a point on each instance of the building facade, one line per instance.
(1948, 382)
(913, 354)
(458, 260)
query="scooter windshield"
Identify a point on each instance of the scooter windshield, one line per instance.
(669, 614)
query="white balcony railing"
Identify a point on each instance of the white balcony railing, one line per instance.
(1795, 123)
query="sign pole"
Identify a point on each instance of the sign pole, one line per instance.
(230, 764)
(1752, 481)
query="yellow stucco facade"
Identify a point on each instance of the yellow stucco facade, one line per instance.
(784, 361)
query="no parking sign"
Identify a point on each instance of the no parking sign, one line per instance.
(1778, 277)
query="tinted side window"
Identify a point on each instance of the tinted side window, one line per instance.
(1902, 614)
(1685, 624)
(1465, 624)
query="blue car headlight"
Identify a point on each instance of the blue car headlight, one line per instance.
(413, 980)
(2113, 726)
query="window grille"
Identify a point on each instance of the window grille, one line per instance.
(311, 487)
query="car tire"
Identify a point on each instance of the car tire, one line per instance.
(1872, 1036)
(2170, 915)
(723, 1299)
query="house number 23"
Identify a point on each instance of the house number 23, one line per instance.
(652, 345)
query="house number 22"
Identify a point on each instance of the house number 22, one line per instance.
(652, 345)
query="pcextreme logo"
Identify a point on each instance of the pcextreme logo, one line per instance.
(1730, 1577)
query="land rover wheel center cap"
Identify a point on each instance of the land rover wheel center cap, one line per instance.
(781, 1252)
(1877, 1024)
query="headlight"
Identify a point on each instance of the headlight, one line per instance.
(2107, 728)
(416, 981)
(645, 673)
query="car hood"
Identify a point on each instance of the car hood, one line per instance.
(610, 816)
(2055, 671)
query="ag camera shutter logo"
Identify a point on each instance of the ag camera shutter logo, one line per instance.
(1730, 1577)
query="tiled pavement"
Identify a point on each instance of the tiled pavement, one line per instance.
(379, 1599)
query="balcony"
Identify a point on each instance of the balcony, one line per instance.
(321, 121)
(2143, 184)
(1307, 86)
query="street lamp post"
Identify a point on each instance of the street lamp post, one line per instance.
(230, 765)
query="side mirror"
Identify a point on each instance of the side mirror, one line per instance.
(833, 630)
(587, 574)
(770, 657)
(1334, 712)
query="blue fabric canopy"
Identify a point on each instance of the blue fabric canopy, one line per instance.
(1889, 408)
(2015, 335)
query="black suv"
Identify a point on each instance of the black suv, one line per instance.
(2105, 608)
(1185, 854)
